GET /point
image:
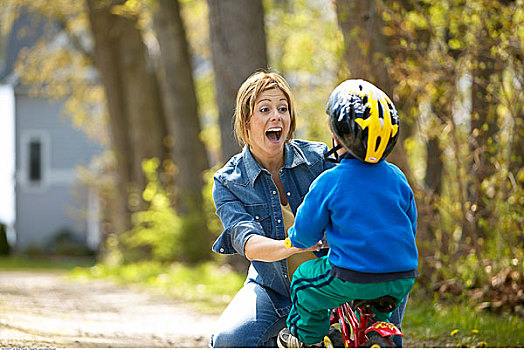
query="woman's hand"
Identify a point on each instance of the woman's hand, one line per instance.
(317, 247)
(320, 245)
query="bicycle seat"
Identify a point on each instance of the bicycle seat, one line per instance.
(384, 304)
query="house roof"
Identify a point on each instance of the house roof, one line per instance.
(26, 31)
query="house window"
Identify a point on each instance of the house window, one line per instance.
(35, 160)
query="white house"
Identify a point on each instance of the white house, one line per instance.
(39, 152)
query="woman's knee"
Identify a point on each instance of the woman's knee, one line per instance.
(250, 320)
(248, 334)
(222, 340)
(233, 339)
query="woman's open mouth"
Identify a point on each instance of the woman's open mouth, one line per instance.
(274, 134)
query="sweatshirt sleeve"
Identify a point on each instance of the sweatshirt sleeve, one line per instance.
(312, 215)
(412, 214)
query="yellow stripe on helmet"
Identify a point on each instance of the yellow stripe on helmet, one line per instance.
(376, 129)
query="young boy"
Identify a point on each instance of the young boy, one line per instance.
(366, 209)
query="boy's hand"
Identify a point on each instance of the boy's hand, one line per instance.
(321, 245)
(317, 247)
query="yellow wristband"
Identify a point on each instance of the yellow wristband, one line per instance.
(287, 243)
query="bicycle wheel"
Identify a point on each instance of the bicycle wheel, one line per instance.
(334, 338)
(377, 341)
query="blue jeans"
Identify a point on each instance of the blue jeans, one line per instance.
(250, 320)
(396, 318)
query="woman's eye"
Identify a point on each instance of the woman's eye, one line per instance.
(264, 109)
(282, 109)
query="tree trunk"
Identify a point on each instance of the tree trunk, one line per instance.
(366, 50)
(481, 141)
(517, 143)
(517, 146)
(135, 116)
(183, 123)
(238, 44)
(366, 47)
(434, 166)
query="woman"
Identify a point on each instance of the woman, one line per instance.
(256, 195)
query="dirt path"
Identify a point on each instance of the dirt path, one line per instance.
(46, 309)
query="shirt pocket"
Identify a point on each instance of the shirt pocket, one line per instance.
(260, 213)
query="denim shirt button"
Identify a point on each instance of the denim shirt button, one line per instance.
(279, 221)
(257, 217)
(221, 250)
(285, 276)
(288, 194)
(274, 192)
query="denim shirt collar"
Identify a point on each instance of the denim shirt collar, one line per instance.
(293, 156)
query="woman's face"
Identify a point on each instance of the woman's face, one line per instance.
(269, 124)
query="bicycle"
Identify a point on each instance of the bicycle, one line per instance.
(362, 331)
(347, 330)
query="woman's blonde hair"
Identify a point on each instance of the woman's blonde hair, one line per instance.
(248, 93)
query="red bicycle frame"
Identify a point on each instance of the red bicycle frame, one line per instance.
(354, 331)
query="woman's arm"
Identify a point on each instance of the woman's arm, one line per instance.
(243, 234)
(266, 249)
(238, 224)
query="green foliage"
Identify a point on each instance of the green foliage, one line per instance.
(156, 230)
(467, 240)
(64, 242)
(304, 44)
(5, 248)
(470, 232)
(159, 233)
(214, 224)
(62, 72)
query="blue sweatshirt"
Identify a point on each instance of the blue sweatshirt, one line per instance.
(368, 214)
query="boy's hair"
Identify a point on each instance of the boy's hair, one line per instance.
(248, 93)
(363, 119)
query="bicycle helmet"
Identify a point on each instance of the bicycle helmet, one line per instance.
(363, 119)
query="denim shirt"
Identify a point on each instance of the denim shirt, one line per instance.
(248, 203)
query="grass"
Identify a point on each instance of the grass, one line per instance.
(42, 262)
(430, 324)
(210, 287)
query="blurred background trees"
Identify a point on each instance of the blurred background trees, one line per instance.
(159, 77)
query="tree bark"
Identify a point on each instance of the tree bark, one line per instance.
(183, 123)
(517, 146)
(483, 129)
(135, 116)
(238, 44)
(434, 166)
(366, 48)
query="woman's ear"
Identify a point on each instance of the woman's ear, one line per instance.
(248, 129)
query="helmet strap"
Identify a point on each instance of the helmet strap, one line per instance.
(327, 155)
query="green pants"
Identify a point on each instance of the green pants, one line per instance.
(314, 292)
